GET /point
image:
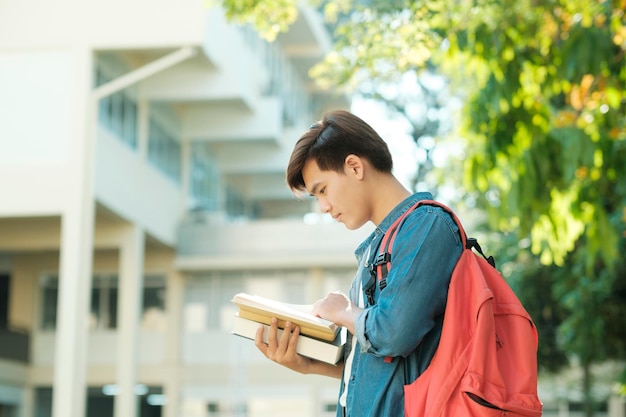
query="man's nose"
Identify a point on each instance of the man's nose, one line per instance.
(324, 206)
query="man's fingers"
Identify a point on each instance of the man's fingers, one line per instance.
(293, 341)
(272, 336)
(278, 349)
(284, 338)
(258, 340)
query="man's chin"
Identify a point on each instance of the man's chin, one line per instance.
(352, 226)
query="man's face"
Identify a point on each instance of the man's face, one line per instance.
(339, 194)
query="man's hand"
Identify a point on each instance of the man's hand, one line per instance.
(283, 351)
(336, 307)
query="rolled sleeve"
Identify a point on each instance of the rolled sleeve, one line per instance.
(359, 331)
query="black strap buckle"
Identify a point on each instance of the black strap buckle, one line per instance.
(371, 286)
(382, 259)
(472, 243)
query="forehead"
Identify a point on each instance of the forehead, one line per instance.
(310, 171)
(313, 176)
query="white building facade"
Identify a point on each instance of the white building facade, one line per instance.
(142, 156)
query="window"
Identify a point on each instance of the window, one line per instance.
(101, 402)
(330, 408)
(104, 302)
(224, 408)
(213, 408)
(43, 402)
(117, 112)
(204, 178)
(235, 203)
(104, 296)
(208, 297)
(284, 82)
(153, 312)
(5, 285)
(49, 299)
(164, 150)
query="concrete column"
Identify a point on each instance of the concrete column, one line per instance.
(171, 391)
(174, 307)
(70, 362)
(130, 299)
(77, 228)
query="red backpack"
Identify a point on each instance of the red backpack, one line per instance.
(486, 362)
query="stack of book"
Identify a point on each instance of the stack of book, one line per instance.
(319, 339)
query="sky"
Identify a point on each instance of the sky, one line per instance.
(404, 151)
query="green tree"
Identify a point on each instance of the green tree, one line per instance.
(544, 83)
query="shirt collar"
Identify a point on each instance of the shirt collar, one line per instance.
(391, 217)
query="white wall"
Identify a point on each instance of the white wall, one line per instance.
(34, 107)
(36, 100)
(136, 190)
(43, 23)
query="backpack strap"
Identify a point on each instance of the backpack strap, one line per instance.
(382, 264)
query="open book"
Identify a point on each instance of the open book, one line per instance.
(329, 352)
(261, 310)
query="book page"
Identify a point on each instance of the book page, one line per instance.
(296, 311)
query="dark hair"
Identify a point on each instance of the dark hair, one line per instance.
(329, 141)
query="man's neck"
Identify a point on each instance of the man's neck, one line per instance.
(389, 192)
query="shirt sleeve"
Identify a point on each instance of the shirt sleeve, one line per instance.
(425, 251)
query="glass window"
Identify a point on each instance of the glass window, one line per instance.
(98, 403)
(117, 112)
(49, 298)
(104, 295)
(101, 401)
(153, 316)
(207, 300)
(5, 285)
(235, 204)
(104, 302)
(128, 130)
(164, 150)
(43, 402)
(205, 180)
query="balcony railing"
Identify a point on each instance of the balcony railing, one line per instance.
(14, 344)
(276, 243)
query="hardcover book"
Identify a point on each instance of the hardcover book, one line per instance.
(329, 352)
(261, 309)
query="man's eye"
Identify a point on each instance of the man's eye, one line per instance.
(323, 191)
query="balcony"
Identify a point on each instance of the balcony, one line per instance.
(281, 243)
(15, 345)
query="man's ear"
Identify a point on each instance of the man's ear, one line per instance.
(353, 165)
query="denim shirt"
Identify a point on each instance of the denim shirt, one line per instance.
(406, 319)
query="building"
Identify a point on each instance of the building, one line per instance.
(142, 156)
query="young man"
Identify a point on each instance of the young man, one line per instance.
(347, 167)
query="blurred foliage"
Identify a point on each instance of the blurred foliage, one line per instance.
(544, 88)
(545, 82)
(269, 17)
